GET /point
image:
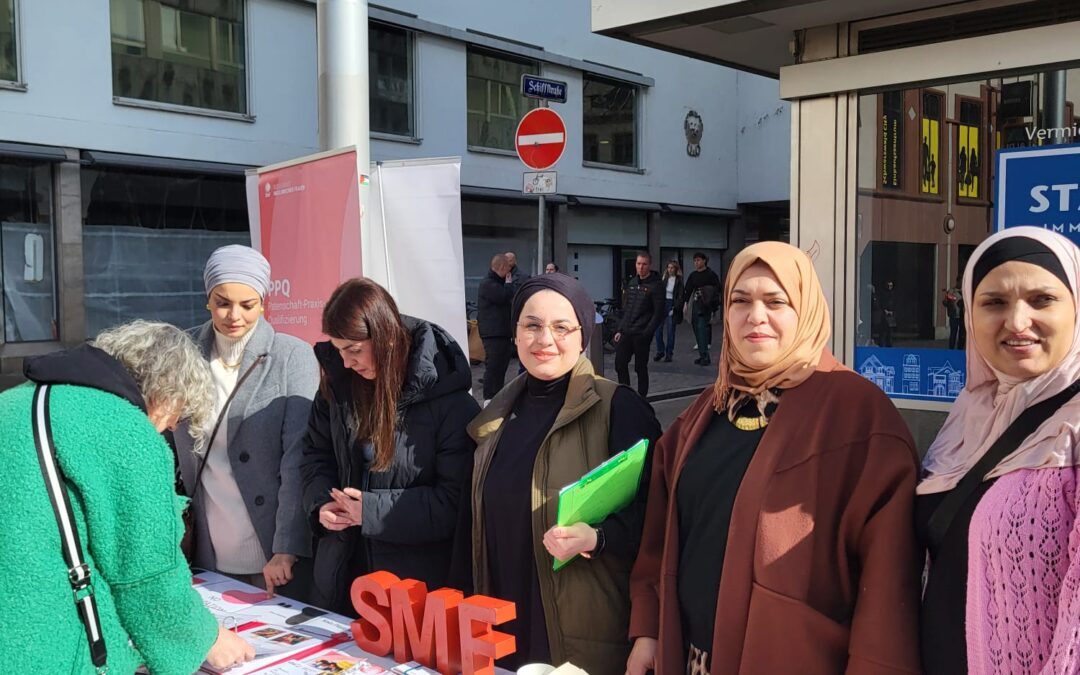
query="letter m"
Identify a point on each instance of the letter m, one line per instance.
(426, 625)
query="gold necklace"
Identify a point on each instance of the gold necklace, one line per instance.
(751, 423)
(231, 366)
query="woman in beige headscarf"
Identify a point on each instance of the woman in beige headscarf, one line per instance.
(778, 537)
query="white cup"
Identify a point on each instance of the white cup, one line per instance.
(535, 669)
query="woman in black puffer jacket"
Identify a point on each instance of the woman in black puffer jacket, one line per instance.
(386, 455)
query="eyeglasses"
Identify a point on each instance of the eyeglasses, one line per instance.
(559, 331)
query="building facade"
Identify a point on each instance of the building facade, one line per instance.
(899, 112)
(126, 125)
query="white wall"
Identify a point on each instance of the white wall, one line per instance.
(764, 140)
(67, 66)
(669, 174)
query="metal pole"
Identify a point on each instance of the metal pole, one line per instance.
(1053, 105)
(540, 236)
(342, 36)
(540, 224)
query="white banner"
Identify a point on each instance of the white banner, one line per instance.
(412, 240)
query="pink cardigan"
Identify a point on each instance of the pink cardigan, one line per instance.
(1023, 599)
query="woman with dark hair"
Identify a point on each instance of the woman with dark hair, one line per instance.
(673, 289)
(386, 452)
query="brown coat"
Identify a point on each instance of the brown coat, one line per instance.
(821, 572)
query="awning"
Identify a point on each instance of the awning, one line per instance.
(99, 158)
(47, 153)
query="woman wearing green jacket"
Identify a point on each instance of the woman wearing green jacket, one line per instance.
(108, 403)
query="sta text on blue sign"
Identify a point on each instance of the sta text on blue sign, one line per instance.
(1040, 187)
(538, 87)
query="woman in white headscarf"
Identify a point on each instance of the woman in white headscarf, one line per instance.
(245, 486)
(997, 506)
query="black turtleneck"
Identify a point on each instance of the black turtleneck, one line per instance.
(507, 499)
(508, 514)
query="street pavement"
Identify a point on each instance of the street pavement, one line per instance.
(666, 380)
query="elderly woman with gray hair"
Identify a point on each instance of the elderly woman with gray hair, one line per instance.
(91, 574)
(245, 486)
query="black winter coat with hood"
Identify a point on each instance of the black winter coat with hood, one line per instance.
(411, 509)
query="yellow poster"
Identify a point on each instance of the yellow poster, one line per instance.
(929, 156)
(968, 162)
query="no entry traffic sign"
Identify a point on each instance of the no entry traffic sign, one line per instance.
(541, 138)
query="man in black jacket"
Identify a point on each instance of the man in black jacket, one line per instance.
(493, 321)
(643, 310)
(701, 297)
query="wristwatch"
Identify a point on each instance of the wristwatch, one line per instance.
(600, 541)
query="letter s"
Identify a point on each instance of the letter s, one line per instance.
(1038, 193)
(371, 600)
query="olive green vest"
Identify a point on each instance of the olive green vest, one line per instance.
(586, 603)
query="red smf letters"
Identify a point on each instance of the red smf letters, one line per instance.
(441, 629)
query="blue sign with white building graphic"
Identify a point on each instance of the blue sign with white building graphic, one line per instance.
(1040, 187)
(920, 374)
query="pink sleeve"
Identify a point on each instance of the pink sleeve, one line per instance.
(1065, 647)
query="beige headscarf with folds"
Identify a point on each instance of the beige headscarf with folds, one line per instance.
(795, 272)
(991, 400)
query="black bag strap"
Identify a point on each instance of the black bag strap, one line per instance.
(78, 571)
(1022, 427)
(217, 425)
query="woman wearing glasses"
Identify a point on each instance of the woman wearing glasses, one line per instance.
(386, 456)
(543, 431)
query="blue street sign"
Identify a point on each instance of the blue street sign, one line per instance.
(1040, 187)
(920, 374)
(537, 87)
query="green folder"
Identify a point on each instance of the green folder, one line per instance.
(603, 491)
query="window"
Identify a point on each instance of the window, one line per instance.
(391, 80)
(493, 98)
(9, 60)
(969, 153)
(610, 124)
(27, 246)
(182, 52)
(930, 151)
(892, 140)
(926, 164)
(146, 237)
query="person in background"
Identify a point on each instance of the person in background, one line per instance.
(779, 535)
(701, 297)
(954, 308)
(545, 430)
(246, 487)
(517, 275)
(493, 299)
(1003, 584)
(108, 403)
(551, 268)
(386, 455)
(643, 310)
(672, 282)
(887, 302)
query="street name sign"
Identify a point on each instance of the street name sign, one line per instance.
(543, 88)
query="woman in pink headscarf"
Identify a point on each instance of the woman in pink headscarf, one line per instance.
(998, 503)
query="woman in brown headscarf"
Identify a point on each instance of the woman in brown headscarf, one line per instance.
(778, 537)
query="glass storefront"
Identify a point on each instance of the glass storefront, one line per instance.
(146, 238)
(925, 201)
(27, 248)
